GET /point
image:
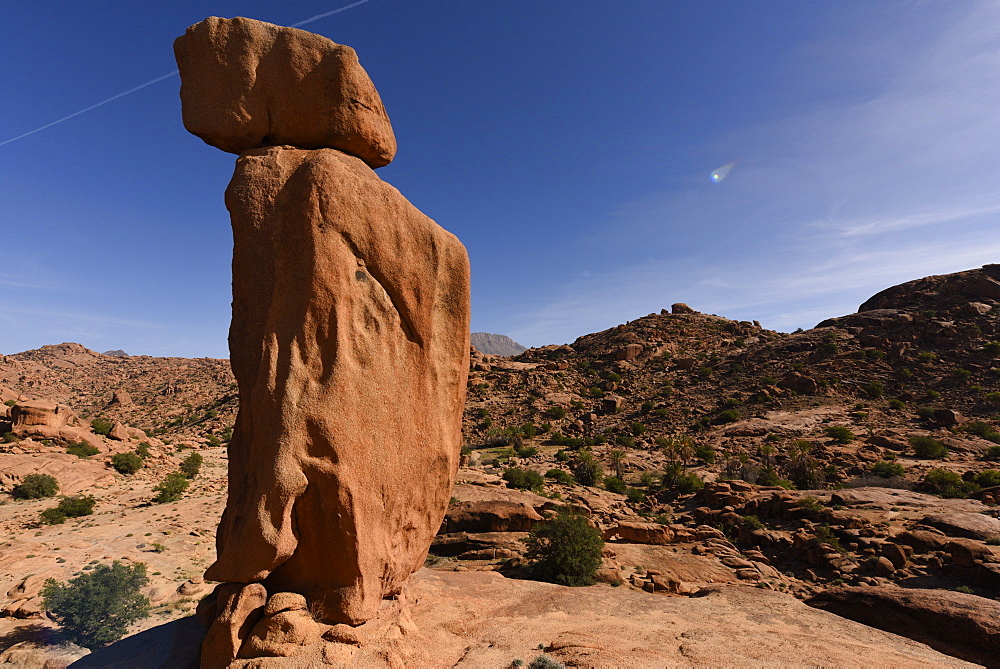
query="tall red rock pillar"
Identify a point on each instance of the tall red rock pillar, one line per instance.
(349, 337)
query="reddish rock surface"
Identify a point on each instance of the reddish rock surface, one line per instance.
(246, 84)
(955, 623)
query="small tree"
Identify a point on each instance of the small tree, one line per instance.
(96, 608)
(171, 488)
(35, 486)
(191, 465)
(567, 550)
(101, 426)
(587, 469)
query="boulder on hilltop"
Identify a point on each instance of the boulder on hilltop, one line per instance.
(247, 84)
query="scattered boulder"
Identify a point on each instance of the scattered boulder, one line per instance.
(681, 308)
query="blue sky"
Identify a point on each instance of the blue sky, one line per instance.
(568, 144)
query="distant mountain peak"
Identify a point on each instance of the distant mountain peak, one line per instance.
(496, 344)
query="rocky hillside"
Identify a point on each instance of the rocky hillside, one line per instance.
(855, 466)
(495, 344)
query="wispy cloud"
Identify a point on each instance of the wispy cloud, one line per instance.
(830, 205)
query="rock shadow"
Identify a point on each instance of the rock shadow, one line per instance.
(173, 645)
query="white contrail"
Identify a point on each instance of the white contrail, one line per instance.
(330, 13)
(161, 78)
(94, 106)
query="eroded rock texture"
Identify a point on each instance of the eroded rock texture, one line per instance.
(349, 340)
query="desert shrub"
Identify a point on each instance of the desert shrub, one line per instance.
(928, 447)
(988, 478)
(77, 505)
(769, 476)
(810, 504)
(52, 516)
(752, 523)
(562, 456)
(560, 476)
(982, 429)
(993, 397)
(688, 482)
(68, 507)
(840, 434)
(545, 662)
(142, 450)
(82, 449)
(727, 416)
(947, 484)
(556, 412)
(525, 451)
(213, 440)
(171, 488)
(705, 452)
(992, 349)
(961, 374)
(35, 486)
(523, 479)
(566, 549)
(101, 426)
(528, 430)
(615, 484)
(625, 440)
(886, 469)
(10, 438)
(927, 356)
(992, 453)
(638, 429)
(126, 463)
(588, 471)
(933, 395)
(898, 405)
(635, 496)
(875, 389)
(96, 608)
(646, 407)
(824, 535)
(926, 413)
(191, 465)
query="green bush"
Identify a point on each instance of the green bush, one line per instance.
(556, 412)
(926, 413)
(635, 496)
(96, 608)
(638, 429)
(615, 484)
(898, 405)
(69, 507)
(525, 451)
(562, 456)
(886, 469)
(688, 482)
(988, 478)
(10, 438)
(523, 479)
(992, 349)
(101, 426)
(705, 452)
(191, 465)
(82, 449)
(982, 429)
(560, 476)
(992, 453)
(528, 430)
(928, 447)
(588, 471)
(566, 550)
(727, 416)
(752, 523)
(142, 450)
(840, 434)
(35, 486)
(947, 484)
(875, 389)
(810, 504)
(961, 374)
(171, 488)
(126, 463)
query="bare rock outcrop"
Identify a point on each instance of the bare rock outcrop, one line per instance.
(955, 623)
(281, 86)
(349, 340)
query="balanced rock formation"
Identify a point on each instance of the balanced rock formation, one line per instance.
(247, 84)
(349, 340)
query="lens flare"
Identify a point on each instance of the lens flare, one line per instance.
(723, 172)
